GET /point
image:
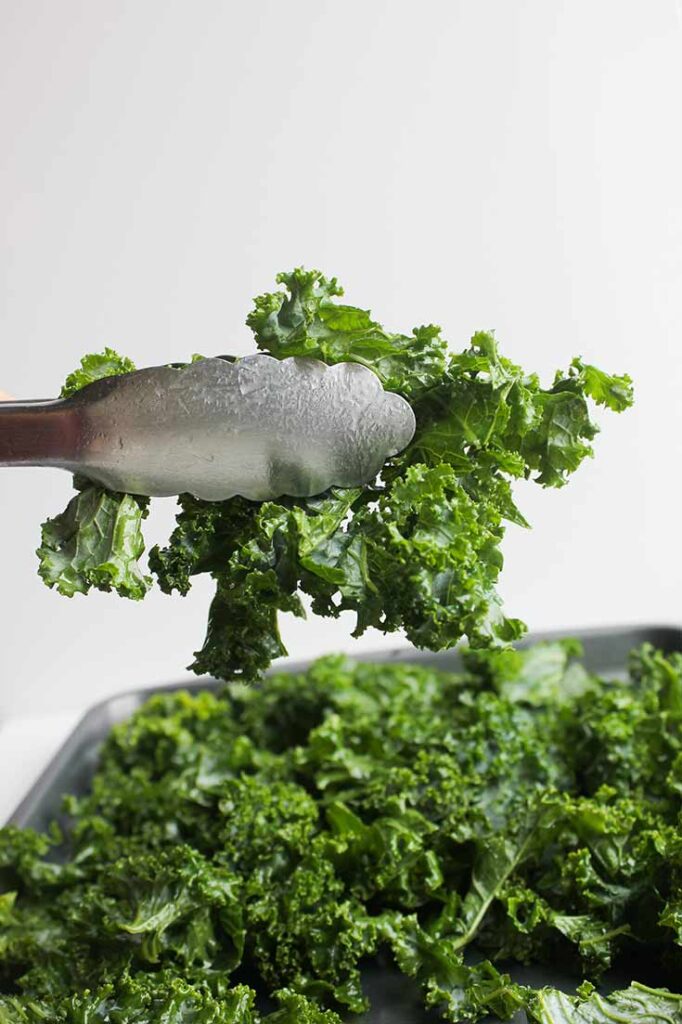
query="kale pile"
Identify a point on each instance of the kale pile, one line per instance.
(418, 549)
(279, 839)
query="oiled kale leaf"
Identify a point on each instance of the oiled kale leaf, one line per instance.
(162, 998)
(637, 1004)
(95, 367)
(307, 321)
(97, 541)
(417, 549)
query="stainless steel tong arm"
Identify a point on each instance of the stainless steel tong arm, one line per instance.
(258, 427)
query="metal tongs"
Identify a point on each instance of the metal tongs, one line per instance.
(258, 427)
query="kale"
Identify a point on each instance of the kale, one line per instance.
(417, 549)
(163, 998)
(637, 1004)
(268, 842)
(97, 540)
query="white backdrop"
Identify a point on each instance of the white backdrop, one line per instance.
(482, 163)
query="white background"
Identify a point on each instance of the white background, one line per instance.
(507, 164)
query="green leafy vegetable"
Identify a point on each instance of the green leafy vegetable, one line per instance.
(162, 998)
(418, 549)
(635, 1005)
(280, 842)
(94, 367)
(306, 321)
(96, 542)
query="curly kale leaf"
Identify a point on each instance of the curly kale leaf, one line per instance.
(95, 367)
(460, 992)
(612, 391)
(242, 637)
(417, 549)
(141, 999)
(308, 322)
(97, 541)
(174, 904)
(486, 410)
(637, 1004)
(296, 1009)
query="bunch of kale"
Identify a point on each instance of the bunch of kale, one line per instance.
(417, 549)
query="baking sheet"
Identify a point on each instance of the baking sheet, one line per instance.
(394, 997)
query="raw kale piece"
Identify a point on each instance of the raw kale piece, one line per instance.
(636, 1005)
(95, 367)
(418, 549)
(307, 321)
(163, 998)
(523, 811)
(97, 540)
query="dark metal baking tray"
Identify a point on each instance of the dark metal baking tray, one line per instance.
(393, 997)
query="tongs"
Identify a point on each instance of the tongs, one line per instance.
(257, 427)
